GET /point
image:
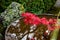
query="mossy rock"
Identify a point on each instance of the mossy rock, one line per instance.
(12, 13)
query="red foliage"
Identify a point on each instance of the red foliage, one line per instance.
(44, 21)
(30, 18)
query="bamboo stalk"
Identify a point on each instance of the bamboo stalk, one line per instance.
(54, 34)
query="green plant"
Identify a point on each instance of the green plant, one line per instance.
(34, 6)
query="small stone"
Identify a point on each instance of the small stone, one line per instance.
(13, 35)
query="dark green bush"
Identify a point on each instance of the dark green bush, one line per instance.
(35, 6)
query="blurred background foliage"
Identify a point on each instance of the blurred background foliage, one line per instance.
(35, 6)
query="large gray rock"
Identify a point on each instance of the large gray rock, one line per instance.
(57, 4)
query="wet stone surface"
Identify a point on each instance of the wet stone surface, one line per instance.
(19, 31)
